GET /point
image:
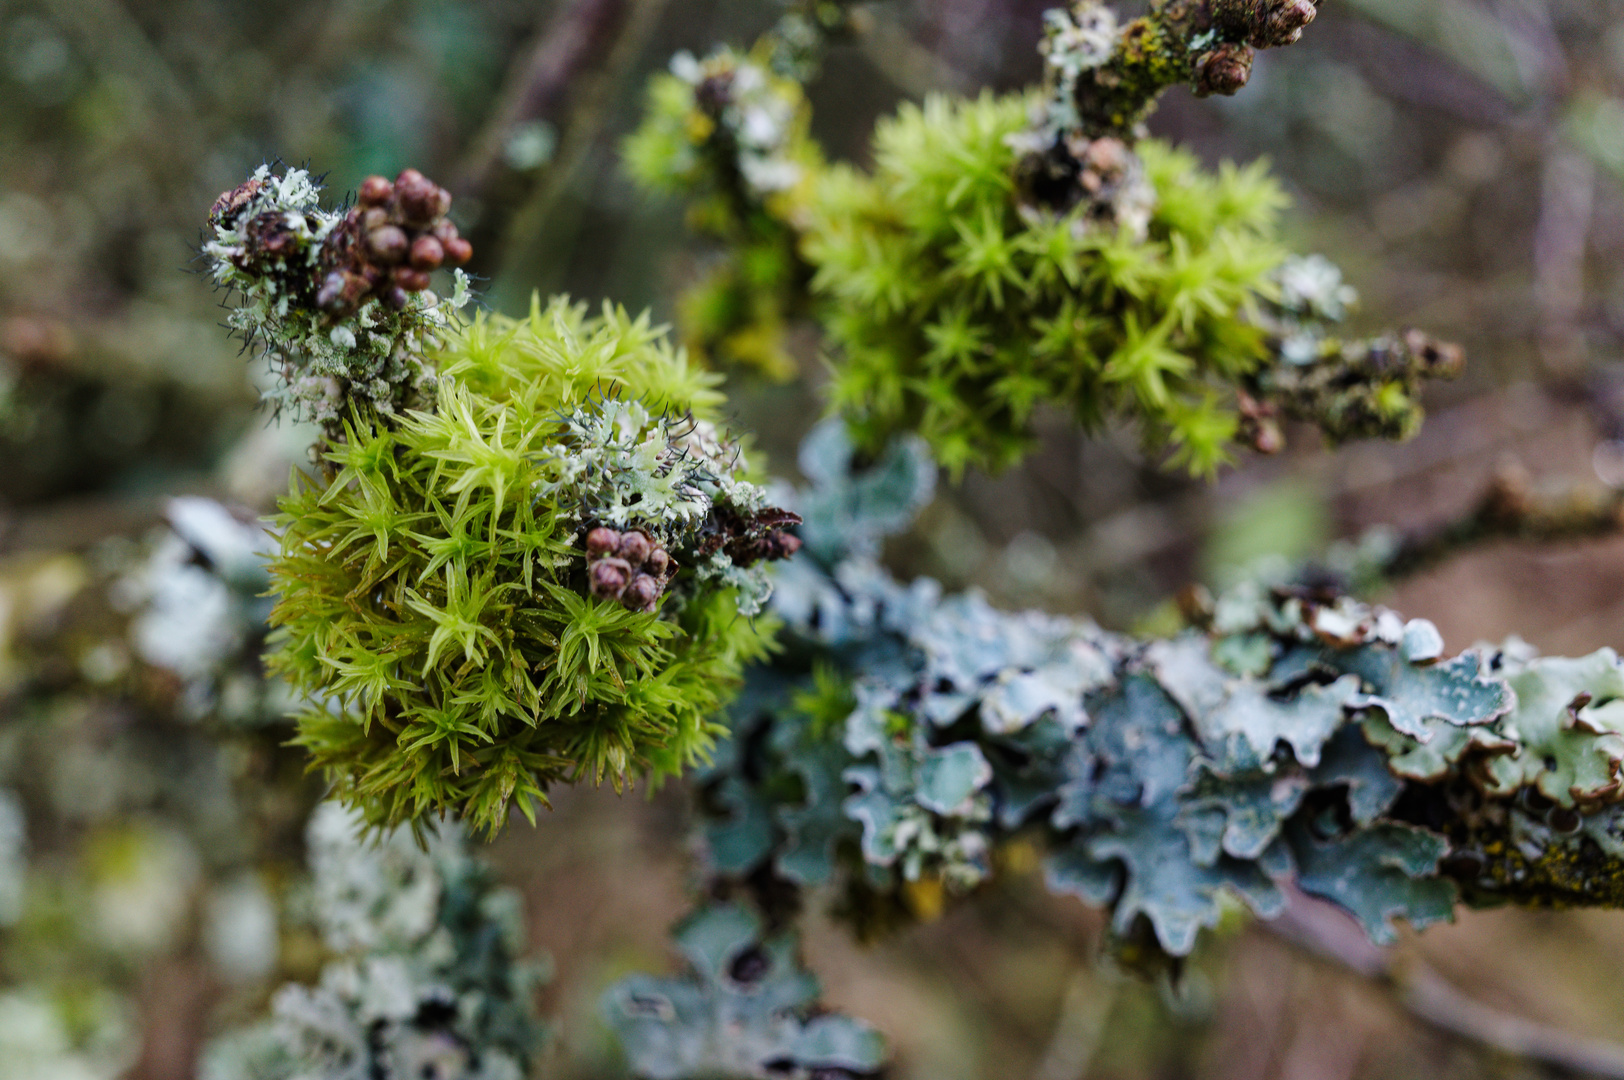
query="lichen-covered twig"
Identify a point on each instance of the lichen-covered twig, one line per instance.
(1358, 389)
(426, 977)
(1111, 77)
(338, 301)
(1294, 739)
(1103, 80)
(1299, 736)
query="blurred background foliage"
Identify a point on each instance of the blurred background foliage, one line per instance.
(1463, 160)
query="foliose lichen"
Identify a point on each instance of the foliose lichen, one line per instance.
(903, 738)
(744, 1011)
(426, 978)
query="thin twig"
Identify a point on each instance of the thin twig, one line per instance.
(547, 97)
(1087, 1006)
(1511, 509)
(1329, 935)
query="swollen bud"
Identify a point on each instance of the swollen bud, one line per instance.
(642, 594)
(1223, 70)
(1282, 23)
(609, 578)
(635, 547)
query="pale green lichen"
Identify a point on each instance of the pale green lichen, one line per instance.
(425, 980)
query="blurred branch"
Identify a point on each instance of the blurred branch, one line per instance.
(1090, 997)
(1511, 509)
(1324, 932)
(1209, 44)
(550, 110)
(911, 66)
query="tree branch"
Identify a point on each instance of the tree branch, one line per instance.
(550, 100)
(1208, 44)
(1325, 933)
(1511, 509)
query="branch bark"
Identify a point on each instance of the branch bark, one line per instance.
(1511, 509)
(1326, 933)
(1208, 44)
(549, 102)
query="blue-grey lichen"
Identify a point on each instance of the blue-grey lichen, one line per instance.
(1297, 735)
(744, 1011)
(426, 979)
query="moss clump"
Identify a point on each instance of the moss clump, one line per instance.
(958, 310)
(434, 603)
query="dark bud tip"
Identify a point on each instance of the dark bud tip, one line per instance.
(427, 254)
(1223, 70)
(609, 578)
(396, 297)
(375, 191)
(658, 562)
(601, 542)
(1282, 23)
(458, 251)
(642, 593)
(411, 280)
(635, 547)
(230, 203)
(420, 199)
(1439, 359)
(341, 292)
(1268, 439)
(387, 243)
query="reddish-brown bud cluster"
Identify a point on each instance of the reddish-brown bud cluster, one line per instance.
(748, 539)
(629, 567)
(1223, 70)
(394, 237)
(1259, 424)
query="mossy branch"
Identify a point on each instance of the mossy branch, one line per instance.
(1208, 45)
(907, 747)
